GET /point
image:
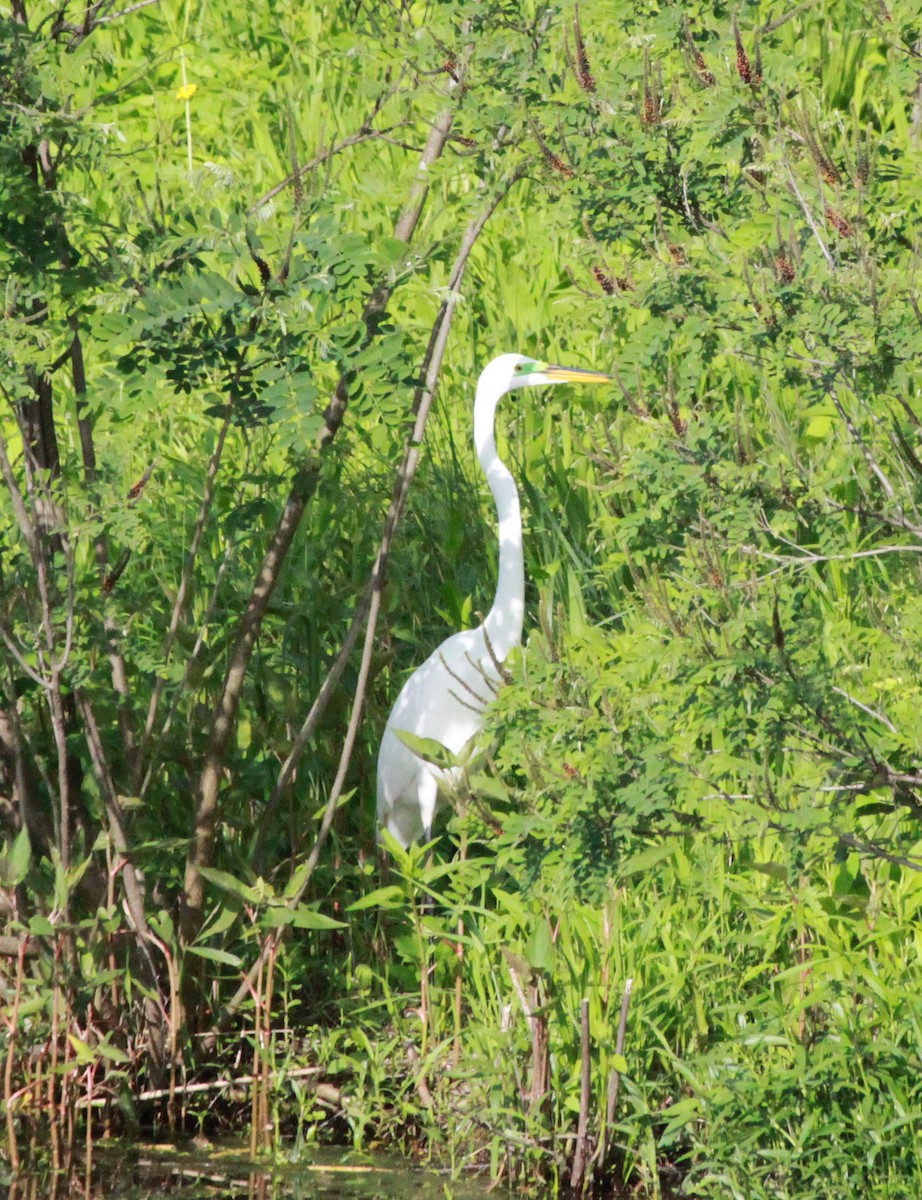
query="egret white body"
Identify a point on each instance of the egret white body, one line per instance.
(444, 699)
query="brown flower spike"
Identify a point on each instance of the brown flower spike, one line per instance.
(704, 73)
(839, 223)
(784, 268)
(743, 65)
(584, 71)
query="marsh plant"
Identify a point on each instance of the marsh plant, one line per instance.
(253, 260)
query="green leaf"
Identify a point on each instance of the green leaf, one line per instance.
(225, 918)
(539, 951)
(488, 787)
(389, 897)
(303, 917)
(645, 860)
(230, 883)
(428, 749)
(14, 860)
(296, 883)
(214, 955)
(112, 1053)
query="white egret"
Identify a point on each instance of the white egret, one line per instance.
(444, 699)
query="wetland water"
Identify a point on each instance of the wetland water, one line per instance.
(144, 1171)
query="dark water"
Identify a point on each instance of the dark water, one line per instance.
(142, 1172)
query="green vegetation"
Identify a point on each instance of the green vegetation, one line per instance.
(253, 259)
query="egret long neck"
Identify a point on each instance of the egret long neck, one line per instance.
(504, 620)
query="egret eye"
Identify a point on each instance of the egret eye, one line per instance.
(518, 367)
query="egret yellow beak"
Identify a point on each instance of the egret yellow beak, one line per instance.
(573, 375)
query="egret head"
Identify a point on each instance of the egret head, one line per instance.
(512, 371)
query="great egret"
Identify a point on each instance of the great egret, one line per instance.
(444, 699)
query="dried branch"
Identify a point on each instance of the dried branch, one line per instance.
(771, 26)
(807, 558)
(126, 12)
(872, 712)
(191, 660)
(326, 1093)
(52, 685)
(21, 513)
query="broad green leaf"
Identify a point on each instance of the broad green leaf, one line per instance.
(390, 896)
(213, 954)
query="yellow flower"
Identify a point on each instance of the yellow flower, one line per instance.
(187, 91)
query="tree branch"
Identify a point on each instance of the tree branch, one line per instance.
(131, 882)
(117, 666)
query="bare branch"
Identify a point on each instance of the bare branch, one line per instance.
(23, 520)
(117, 666)
(132, 886)
(899, 522)
(20, 661)
(771, 26)
(501, 670)
(855, 843)
(807, 558)
(191, 660)
(126, 12)
(872, 712)
(861, 444)
(53, 683)
(361, 135)
(810, 220)
(481, 701)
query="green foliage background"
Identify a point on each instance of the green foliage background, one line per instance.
(706, 775)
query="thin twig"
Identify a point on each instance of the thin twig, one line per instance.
(771, 26)
(854, 843)
(578, 1169)
(614, 1079)
(117, 665)
(861, 444)
(872, 712)
(126, 12)
(503, 671)
(154, 1009)
(808, 558)
(810, 220)
(191, 660)
(185, 582)
(482, 701)
(365, 134)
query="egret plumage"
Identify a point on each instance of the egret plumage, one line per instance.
(445, 698)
